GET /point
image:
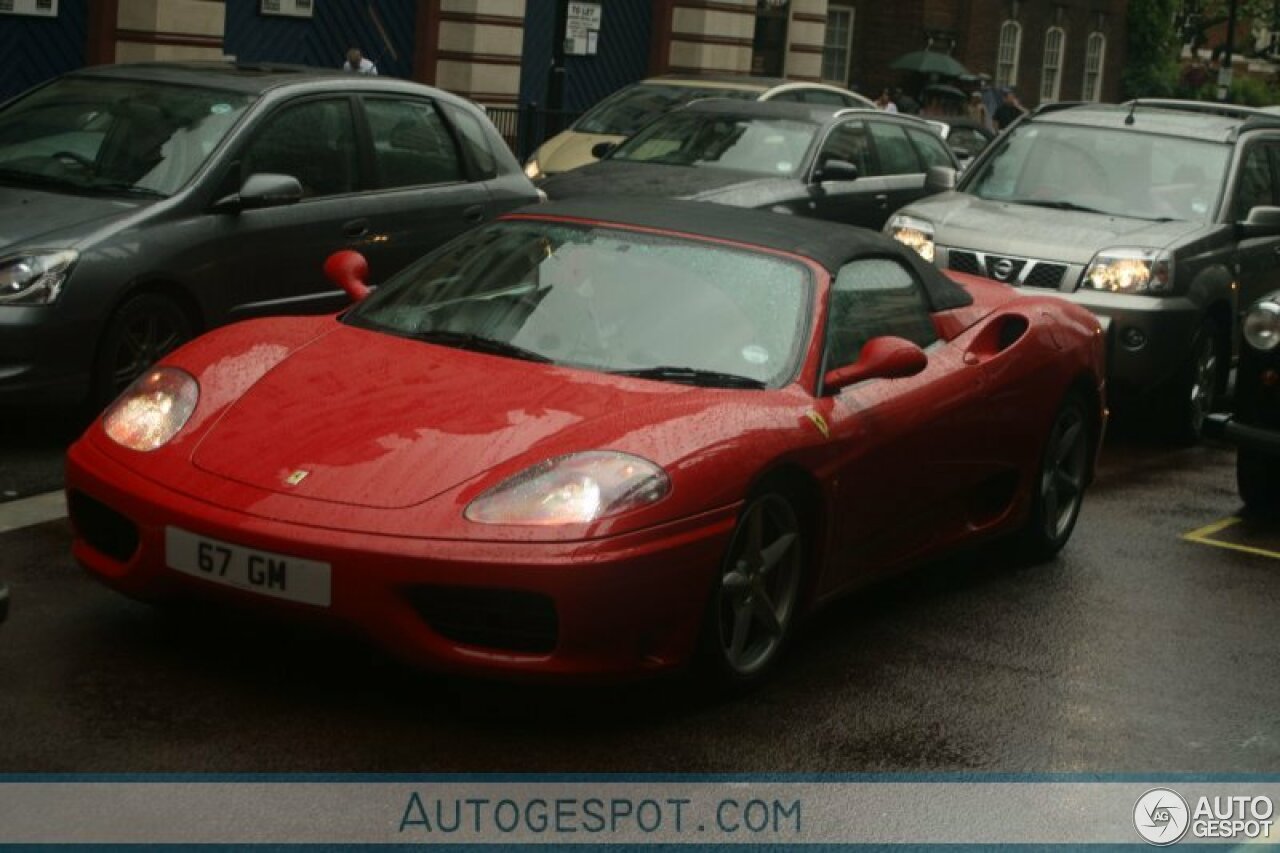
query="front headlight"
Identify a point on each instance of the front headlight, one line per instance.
(913, 232)
(1262, 326)
(532, 170)
(35, 278)
(152, 410)
(575, 489)
(1130, 271)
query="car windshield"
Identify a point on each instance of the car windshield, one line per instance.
(756, 144)
(113, 136)
(634, 107)
(604, 299)
(1116, 172)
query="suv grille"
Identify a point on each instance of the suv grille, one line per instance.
(1045, 275)
(1007, 270)
(965, 262)
(1024, 272)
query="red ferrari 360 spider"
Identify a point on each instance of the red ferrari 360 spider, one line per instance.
(598, 438)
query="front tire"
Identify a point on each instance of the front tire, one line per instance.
(756, 597)
(141, 332)
(1258, 478)
(1060, 481)
(1195, 392)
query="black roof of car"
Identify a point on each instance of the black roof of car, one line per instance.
(830, 244)
(249, 78)
(1195, 119)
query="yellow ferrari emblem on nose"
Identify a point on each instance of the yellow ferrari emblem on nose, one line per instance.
(296, 477)
(819, 422)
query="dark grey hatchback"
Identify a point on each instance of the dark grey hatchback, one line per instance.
(142, 204)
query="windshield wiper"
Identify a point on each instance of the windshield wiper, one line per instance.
(129, 189)
(693, 376)
(478, 343)
(1060, 205)
(37, 180)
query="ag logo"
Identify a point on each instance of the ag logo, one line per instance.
(1161, 816)
(1003, 269)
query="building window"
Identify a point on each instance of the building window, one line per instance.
(1051, 76)
(838, 44)
(1007, 58)
(1095, 52)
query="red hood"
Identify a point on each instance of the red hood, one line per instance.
(384, 422)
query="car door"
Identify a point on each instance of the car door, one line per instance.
(1255, 183)
(857, 202)
(281, 250)
(900, 164)
(426, 190)
(901, 455)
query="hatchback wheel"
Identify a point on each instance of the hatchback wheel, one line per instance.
(144, 330)
(757, 593)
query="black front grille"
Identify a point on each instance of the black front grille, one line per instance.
(965, 262)
(1004, 269)
(510, 619)
(106, 530)
(1045, 275)
(1255, 403)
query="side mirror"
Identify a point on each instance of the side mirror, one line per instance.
(603, 149)
(885, 357)
(262, 190)
(350, 271)
(835, 170)
(1263, 221)
(939, 179)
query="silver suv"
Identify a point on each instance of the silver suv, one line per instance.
(1158, 216)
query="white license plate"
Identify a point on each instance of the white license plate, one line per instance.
(261, 572)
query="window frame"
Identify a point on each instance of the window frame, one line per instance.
(881, 168)
(1096, 59)
(469, 170)
(1052, 73)
(847, 47)
(1010, 44)
(817, 161)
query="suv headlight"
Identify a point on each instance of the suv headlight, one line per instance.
(1130, 271)
(34, 278)
(1262, 326)
(913, 232)
(532, 170)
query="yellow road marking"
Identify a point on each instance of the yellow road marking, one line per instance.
(1203, 536)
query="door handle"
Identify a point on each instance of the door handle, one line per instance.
(356, 228)
(474, 214)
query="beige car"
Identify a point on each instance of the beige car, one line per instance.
(627, 110)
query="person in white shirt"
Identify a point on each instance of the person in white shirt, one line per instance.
(358, 64)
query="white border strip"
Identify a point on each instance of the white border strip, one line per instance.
(26, 512)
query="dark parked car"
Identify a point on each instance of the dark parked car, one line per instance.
(847, 165)
(1255, 426)
(1158, 216)
(965, 137)
(143, 204)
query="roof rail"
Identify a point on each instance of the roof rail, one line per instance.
(1057, 106)
(1202, 107)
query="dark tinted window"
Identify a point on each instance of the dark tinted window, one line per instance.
(411, 145)
(848, 141)
(474, 139)
(1256, 184)
(893, 149)
(967, 139)
(930, 147)
(314, 141)
(871, 298)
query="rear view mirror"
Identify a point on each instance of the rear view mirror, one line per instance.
(885, 357)
(836, 170)
(262, 190)
(349, 270)
(940, 179)
(603, 149)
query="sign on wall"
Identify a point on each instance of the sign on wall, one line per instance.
(288, 8)
(34, 8)
(582, 29)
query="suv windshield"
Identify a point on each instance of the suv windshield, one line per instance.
(764, 146)
(604, 299)
(1116, 172)
(113, 136)
(631, 109)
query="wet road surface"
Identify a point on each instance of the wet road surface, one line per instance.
(1136, 650)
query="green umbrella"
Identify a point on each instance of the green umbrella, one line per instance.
(929, 62)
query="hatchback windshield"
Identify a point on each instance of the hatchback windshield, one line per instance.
(631, 109)
(604, 299)
(1122, 173)
(763, 146)
(113, 136)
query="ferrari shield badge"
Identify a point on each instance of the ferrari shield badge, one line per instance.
(819, 422)
(296, 477)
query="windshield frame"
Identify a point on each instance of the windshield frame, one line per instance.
(982, 164)
(811, 278)
(246, 103)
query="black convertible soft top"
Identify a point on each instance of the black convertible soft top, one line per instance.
(830, 244)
